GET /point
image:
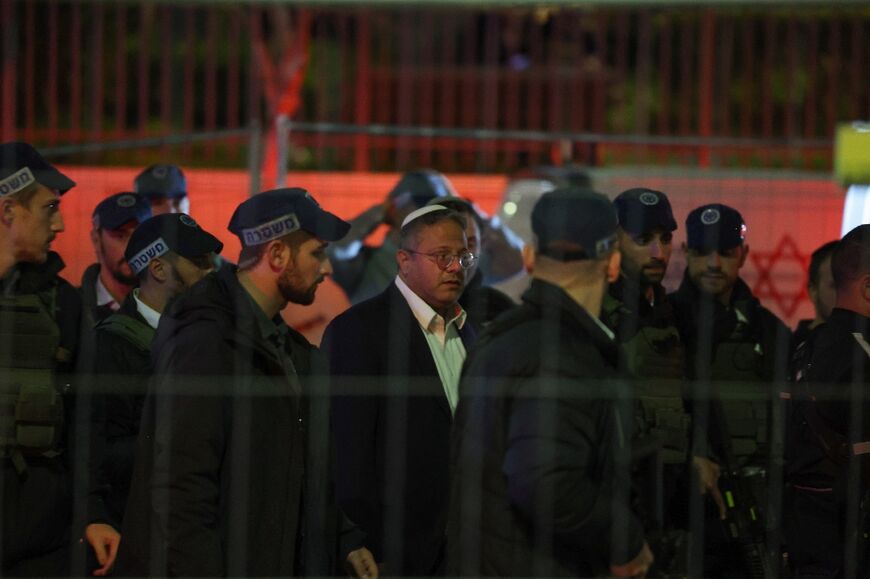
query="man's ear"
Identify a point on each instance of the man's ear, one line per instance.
(613, 263)
(403, 259)
(158, 269)
(7, 211)
(529, 257)
(864, 284)
(278, 254)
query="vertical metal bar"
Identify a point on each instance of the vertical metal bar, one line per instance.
(623, 33)
(791, 70)
(858, 78)
(748, 66)
(51, 87)
(405, 97)
(810, 113)
(687, 50)
(834, 71)
(643, 73)
(600, 116)
(120, 69)
(166, 68)
(362, 89)
(534, 83)
(769, 59)
(321, 31)
(211, 95)
(577, 108)
(706, 64)
(448, 86)
(491, 77)
(726, 72)
(75, 76)
(143, 88)
(282, 134)
(255, 96)
(383, 69)
(554, 88)
(97, 76)
(427, 85)
(471, 72)
(512, 88)
(665, 75)
(233, 48)
(189, 73)
(30, 100)
(9, 62)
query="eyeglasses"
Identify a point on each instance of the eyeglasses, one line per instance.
(444, 259)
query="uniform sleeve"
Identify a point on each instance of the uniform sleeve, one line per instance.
(551, 467)
(355, 425)
(189, 441)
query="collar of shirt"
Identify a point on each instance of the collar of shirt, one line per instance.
(151, 315)
(104, 298)
(427, 317)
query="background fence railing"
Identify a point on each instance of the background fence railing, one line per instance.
(75, 71)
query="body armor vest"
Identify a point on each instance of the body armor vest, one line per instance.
(31, 408)
(740, 384)
(656, 357)
(130, 329)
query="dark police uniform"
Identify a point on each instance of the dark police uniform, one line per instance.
(535, 444)
(821, 446)
(40, 316)
(232, 471)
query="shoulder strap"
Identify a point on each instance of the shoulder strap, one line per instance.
(137, 333)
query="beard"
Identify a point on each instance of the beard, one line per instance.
(121, 277)
(293, 289)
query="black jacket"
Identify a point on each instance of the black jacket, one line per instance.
(483, 303)
(232, 468)
(122, 369)
(392, 424)
(92, 312)
(704, 323)
(535, 446)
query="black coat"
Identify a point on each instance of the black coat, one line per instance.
(534, 448)
(392, 424)
(122, 369)
(232, 468)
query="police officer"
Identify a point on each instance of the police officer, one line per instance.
(106, 283)
(535, 444)
(168, 254)
(165, 187)
(233, 457)
(364, 271)
(827, 448)
(736, 347)
(39, 328)
(636, 308)
(820, 288)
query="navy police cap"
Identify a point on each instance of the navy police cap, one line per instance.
(175, 232)
(643, 210)
(161, 181)
(273, 214)
(714, 227)
(419, 187)
(120, 208)
(21, 166)
(578, 217)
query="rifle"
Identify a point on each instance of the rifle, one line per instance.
(743, 523)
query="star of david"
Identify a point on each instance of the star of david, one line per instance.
(765, 262)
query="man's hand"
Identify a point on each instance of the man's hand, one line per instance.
(637, 567)
(361, 563)
(104, 540)
(708, 476)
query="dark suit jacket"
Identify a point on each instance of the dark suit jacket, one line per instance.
(392, 427)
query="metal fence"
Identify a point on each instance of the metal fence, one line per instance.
(782, 77)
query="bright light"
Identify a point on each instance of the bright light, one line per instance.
(510, 208)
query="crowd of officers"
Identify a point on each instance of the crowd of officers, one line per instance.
(163, 419)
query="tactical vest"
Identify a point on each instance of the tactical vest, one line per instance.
(738, 375)
(137, 333)
(31, 408)
(656, 356)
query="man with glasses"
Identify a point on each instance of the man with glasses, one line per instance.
(404, 350)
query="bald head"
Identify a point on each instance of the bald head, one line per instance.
(850, 268)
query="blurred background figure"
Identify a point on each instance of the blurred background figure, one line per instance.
(165, 188)
(363, 271)
(820, 287)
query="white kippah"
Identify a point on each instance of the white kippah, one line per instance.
(417, 213)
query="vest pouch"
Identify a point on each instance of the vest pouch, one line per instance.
(663, 415)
